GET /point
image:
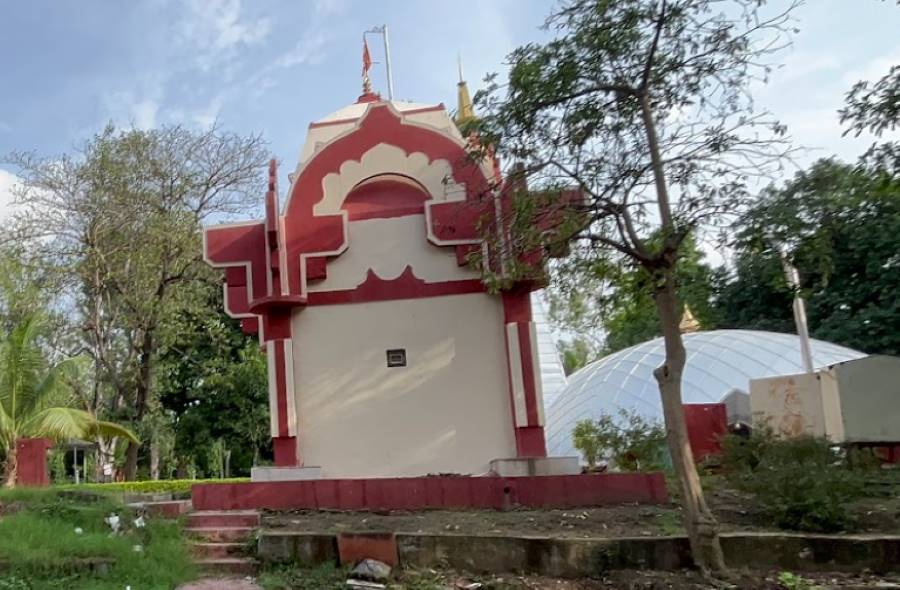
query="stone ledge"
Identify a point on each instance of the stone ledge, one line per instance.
(577, 558)
(267, 474)
(531, 466)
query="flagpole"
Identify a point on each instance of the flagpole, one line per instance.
(383, 31)
(387, 62)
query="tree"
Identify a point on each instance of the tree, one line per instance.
(575, 353)
(28, 385)
(643, 106)
(123, 217)
(840, 225)
(628, 313)
(212, 369)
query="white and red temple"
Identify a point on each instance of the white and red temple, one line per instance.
(387, 355)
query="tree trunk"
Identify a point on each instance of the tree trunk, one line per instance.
(140, 402)
(699, 521)
(12, 465)
(154, 459)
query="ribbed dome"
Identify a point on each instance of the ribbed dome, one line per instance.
(718, 362)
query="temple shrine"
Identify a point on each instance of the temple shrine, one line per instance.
(393, 370)
(387, 355)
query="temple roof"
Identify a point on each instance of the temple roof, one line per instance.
(355, 110)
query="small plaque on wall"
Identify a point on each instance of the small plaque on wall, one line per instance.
(396, 357)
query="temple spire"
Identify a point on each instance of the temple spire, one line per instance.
(689, 323)
(465, 111)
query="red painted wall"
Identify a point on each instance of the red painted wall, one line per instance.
(32, 456)
(706, 425)
(422, 493)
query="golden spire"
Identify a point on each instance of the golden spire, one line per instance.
(689, 323)
(465, 111)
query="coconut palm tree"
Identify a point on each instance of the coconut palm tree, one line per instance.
(28, 387)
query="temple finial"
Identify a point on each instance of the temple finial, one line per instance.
(465, 111)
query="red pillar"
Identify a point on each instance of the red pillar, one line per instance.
(32, 459)
(283, 411)
(523, 369)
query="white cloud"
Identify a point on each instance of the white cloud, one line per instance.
(307, 50)
(207, 116)
(137, 107)
(7, 181)
(329, 7)
(144, 113)
(217, 30)
(874, 69)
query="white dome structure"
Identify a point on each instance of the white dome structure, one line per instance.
(719, 362)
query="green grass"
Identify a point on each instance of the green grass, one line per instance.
(41, 549)
(162, 486)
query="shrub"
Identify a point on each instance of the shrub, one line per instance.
(802, 482)
(163, 486)
(630, 443)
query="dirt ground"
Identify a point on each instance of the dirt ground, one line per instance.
(620, 580)
(736, 512)
(643, 580)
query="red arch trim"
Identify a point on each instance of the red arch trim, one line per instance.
(306, 233)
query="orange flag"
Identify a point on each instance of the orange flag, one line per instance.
(367, 59)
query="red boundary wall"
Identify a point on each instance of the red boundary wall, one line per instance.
(420, 493)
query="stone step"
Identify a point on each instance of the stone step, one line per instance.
(206, 550)
(243, 566)
(221, 534)
(223, 518)
(167, 509)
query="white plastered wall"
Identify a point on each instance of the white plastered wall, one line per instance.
(387, 247)
(447, 411)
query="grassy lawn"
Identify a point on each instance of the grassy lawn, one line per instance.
(49, 538)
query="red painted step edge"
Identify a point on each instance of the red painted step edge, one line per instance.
(222, 519)
(420, 493)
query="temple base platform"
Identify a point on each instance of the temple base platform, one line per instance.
(435, 492)
(529, 466)
(266, 474)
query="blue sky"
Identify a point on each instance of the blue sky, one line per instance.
(66, 68)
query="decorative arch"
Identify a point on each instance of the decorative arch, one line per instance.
(450, 222)
(384, 196)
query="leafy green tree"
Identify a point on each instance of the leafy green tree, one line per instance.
(875, 107)
(575, 353)
(212, 369)
(840, 225)
(628, 313)
(642, 105)
(122, 216)
(28, 387)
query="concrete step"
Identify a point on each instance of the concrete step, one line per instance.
(206, 550)
(167, 509)
(243, 566)
(221, 534)
(223, 518)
